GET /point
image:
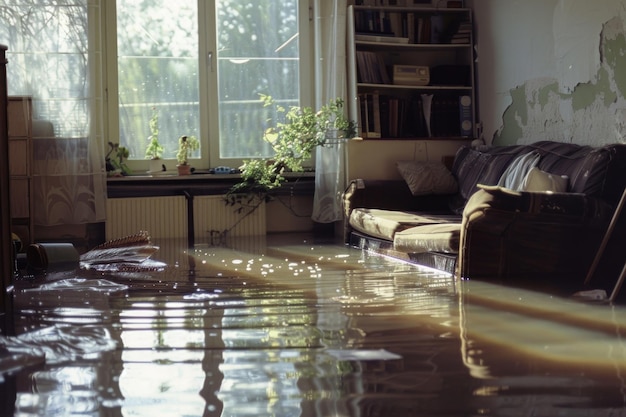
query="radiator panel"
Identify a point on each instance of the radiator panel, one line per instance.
(166, 217)
(162, 217)
(212, 216)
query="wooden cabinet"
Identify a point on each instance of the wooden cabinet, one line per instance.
(19, 115)
(6, 252)
(411, 72)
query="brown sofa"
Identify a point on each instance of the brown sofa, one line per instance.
(487, 230)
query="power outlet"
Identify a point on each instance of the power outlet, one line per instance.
(421, 154)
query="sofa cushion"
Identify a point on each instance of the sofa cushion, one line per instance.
(538, 180)
(443, 237)
(427, 177)
(384, 224)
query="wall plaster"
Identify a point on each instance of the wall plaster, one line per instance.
(585, 102)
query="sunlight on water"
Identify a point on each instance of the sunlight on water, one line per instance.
(303, 329)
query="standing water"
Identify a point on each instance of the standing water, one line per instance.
(297, 328)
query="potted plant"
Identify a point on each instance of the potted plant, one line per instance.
(293, 137)
(186, 145)
(154, 150)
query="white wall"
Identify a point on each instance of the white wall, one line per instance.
(551, 69)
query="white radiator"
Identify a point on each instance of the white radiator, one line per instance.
(162, 217)
(166, 217)
(213, 216)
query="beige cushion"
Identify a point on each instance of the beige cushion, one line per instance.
(442, 237)
(384, 224)
(427, 177)
(538, 180)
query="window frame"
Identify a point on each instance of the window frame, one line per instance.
(208, 82)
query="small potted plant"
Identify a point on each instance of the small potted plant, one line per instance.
(154, 150)
(186, 145)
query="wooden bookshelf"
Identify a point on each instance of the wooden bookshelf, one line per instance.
(434, 47)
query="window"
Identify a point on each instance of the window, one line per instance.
(198, 67)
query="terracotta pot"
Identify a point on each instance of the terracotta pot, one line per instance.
(184, 169)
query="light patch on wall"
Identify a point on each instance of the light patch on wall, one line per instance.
(592, 112)
(576, 38)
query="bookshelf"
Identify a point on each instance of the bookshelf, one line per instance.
(411, 72)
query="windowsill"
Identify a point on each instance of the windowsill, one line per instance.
(172, 184)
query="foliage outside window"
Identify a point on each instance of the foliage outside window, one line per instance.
(205, 87)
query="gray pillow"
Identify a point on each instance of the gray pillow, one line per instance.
(427, 177)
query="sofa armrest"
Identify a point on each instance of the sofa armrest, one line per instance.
(530, 236)
(574, 205)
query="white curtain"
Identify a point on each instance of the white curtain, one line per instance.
(54, 56)
(330, 70)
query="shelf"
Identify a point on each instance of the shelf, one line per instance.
(435, 138)
(416, 46)
(414, 87)
(414, 9)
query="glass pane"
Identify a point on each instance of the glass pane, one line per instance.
(257, 54)
(48, 60)
(157, 43)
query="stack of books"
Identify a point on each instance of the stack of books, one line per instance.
(371, 68)
(463, 34)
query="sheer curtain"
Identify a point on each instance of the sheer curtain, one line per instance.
(330, 70)
(53, 59)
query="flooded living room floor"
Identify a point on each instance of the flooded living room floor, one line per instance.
(290, 326)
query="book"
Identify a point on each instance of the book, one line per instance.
(465, 114)
(371, 68)
(376, 114)
(380, 39)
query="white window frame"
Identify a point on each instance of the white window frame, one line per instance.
(209, 127)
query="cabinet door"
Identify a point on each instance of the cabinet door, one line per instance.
(20, 197)
(18, 157)
(18, 112)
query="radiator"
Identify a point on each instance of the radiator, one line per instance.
(212, 216)
(162, 217)
(166, 217)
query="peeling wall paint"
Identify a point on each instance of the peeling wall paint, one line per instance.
(578, 95)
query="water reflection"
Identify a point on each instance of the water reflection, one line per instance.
(304, 329)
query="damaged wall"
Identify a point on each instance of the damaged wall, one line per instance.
(551, 70)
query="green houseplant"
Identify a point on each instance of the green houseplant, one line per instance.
(293, 135)
(186, 145)
(154, 149)
(293, 138)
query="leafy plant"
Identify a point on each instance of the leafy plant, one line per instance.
(154, 150)
(293, 137)
(186, 145)
(115, 158)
